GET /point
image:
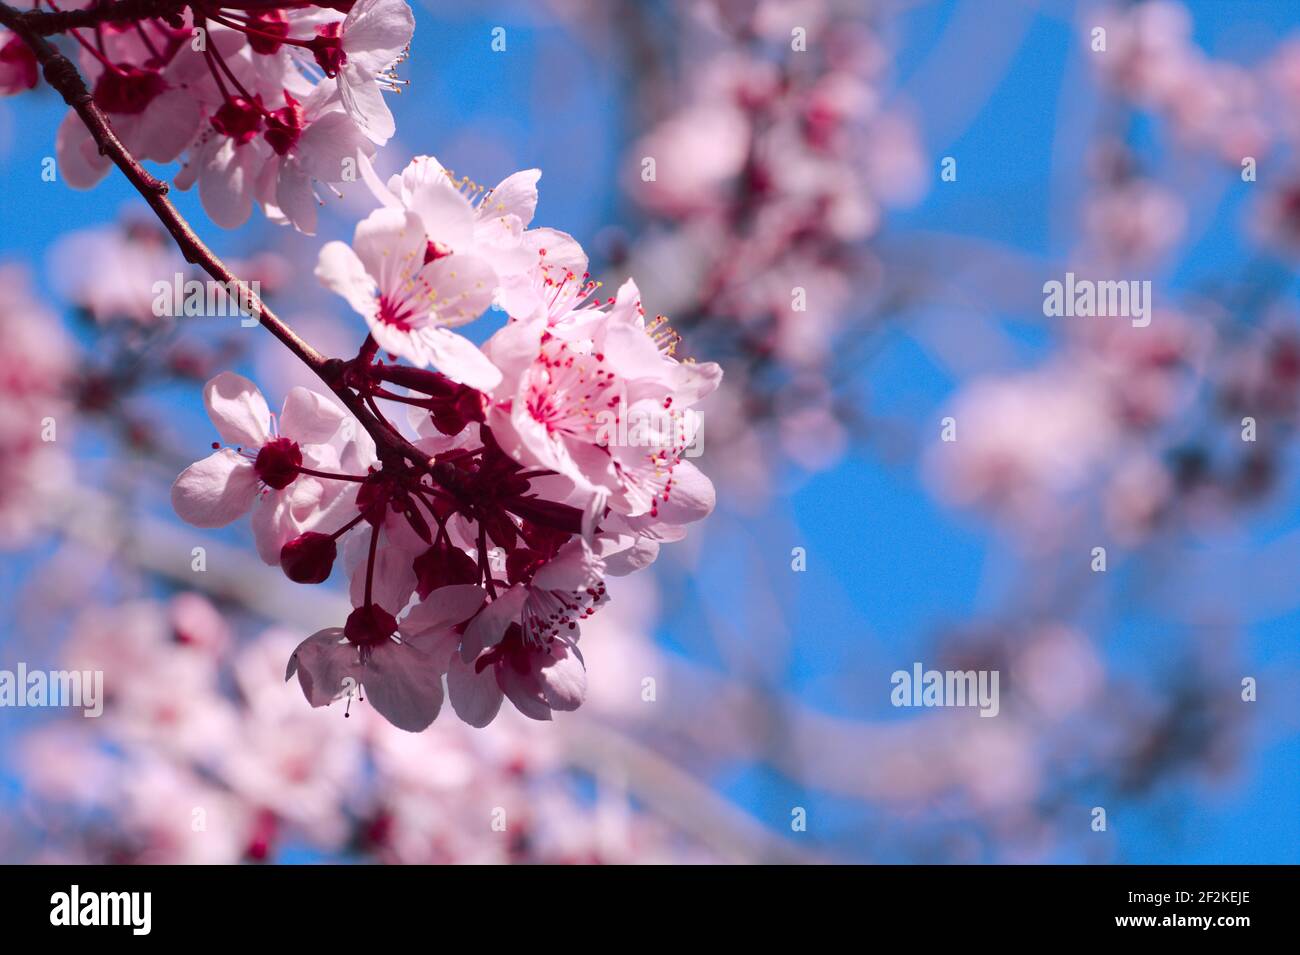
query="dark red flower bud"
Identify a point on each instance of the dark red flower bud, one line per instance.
(278, 462)
(442, 565)
(369, 626)
(521, 564)
(308, 558)
(552, 514)
(128, 89)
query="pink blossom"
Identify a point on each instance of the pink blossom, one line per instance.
(400, 665)
(265, 466)
(372, 38)
(463, 218)
(571, 405)
(410, 299)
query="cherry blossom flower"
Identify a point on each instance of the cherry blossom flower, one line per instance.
(411, 299)
(524, 643)
(270, 464)
(361, 52)
(303, 144)
(399, 665)
(266, 114)
(581, 407)
(461, 217)
(151, 100)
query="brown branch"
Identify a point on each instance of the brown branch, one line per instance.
(109, 11)
(63, 76)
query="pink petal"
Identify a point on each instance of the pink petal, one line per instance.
(294, 196)
(487, 629)
(390, 244)
(238, 410)
(516, 195)
(215, 491)
(475, 696)
(326, 665)
(443, 609)
(394, 577)
(404, 686)
(333, 139)
(463, 286)
(690, 498)
(525, 691)
(459, 359)
(446, 214)
(226, 184)
(80, 162)
(309, 417)
(562, 676)
(342, 272)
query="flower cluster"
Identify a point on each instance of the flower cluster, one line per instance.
(477, 534)
(269, 103)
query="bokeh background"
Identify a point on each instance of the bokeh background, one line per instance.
(777, 168)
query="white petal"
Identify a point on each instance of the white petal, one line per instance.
(238, 410)
(459, 359)
(376, 31)
(215, 491)
(515, 195)
(308, 417)
(340, 271)
(295, 198)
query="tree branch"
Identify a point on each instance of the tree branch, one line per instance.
(109, 11)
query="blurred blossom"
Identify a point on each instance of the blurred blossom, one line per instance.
(767, 180)
(35, 367)
(110, 273)
(1134, 223)
(206, 755)
(1024, 443)
(1212, 105)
